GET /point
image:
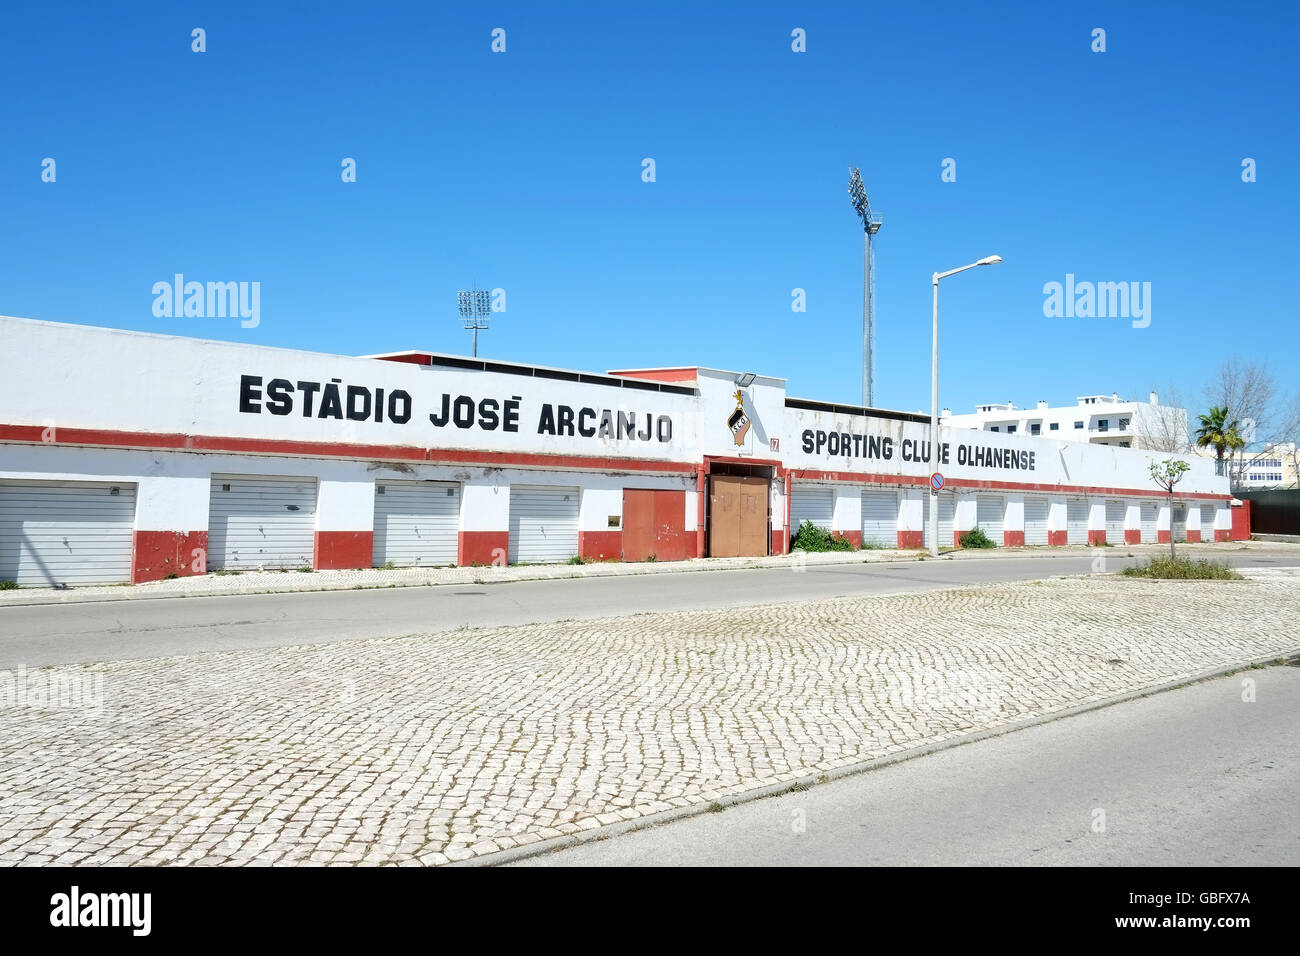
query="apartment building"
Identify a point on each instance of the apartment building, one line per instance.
(1096, 419)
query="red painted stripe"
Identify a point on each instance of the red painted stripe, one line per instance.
(861, 477)
(660, 374)
(274, 446)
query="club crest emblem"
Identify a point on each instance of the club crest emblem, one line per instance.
(739, 421)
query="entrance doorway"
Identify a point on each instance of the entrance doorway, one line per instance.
(738, 519)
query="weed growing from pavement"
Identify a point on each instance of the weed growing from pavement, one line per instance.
(809, 537)
(976, 538)
(1183, 569)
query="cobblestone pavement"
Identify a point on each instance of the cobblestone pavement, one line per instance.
(425, 749)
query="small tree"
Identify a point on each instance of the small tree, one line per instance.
(1166, 474)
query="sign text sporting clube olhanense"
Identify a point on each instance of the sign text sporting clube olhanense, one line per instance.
(883, 448)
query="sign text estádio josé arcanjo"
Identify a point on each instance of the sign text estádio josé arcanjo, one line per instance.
(358, 403)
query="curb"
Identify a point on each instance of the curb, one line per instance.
(553, 844)
(41, 597)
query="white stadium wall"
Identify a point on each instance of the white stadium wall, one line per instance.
(293, 448)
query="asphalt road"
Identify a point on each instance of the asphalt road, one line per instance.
(39, 635)
(1190, 777)
(43, 635)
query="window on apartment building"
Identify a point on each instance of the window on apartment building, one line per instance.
(993, 428)
(1123, 424)
(1103, 425)
(1035, 429)
(1010, 429)
(1055, 426)
(1123, 444)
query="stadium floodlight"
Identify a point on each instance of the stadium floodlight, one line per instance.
(870, 226)
(475, 307)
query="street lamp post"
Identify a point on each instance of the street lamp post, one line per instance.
(934, 396)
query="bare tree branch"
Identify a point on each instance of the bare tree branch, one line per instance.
(1163, 428)
(1247, 390)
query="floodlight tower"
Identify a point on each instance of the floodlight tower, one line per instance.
(475, 307)
(870, 226)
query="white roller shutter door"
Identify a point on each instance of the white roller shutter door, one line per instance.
(1207, 521)
(66, 533)
(543, 523)
(880, 518)
(1076, 520)
(1036, 512)
(990, 512)
(1178, 521)
(814, 503)
(417, 523)
(947, 517)
(261, 522)
(1150, 511)
(1115, 521)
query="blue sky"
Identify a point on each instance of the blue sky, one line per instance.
(522, 171)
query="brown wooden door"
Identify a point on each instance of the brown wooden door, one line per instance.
(738, 520)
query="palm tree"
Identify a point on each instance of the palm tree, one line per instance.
(1219, 432)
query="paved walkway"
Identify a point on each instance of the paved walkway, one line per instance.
(280, 582)
(426, 749)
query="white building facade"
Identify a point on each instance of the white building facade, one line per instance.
(128, 456)
(1098, 419)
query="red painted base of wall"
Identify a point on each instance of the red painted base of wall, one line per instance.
(778, 542)
(160, 554)
(1162, 537)
(1132, 535)
(1193, 537)
(911, 539)
(855, 537)
(339, 550)
(1013, 539)
(600, 545)
(483, 547)
(1058, 539)
(1096, 538)
(1222, 534)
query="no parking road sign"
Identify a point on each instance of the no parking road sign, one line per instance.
(936, 483)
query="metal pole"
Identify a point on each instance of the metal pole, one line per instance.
(934, 422)
(866, 317)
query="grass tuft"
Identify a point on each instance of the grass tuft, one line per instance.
(1183, 569)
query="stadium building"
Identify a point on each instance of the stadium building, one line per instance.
(129, 457)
